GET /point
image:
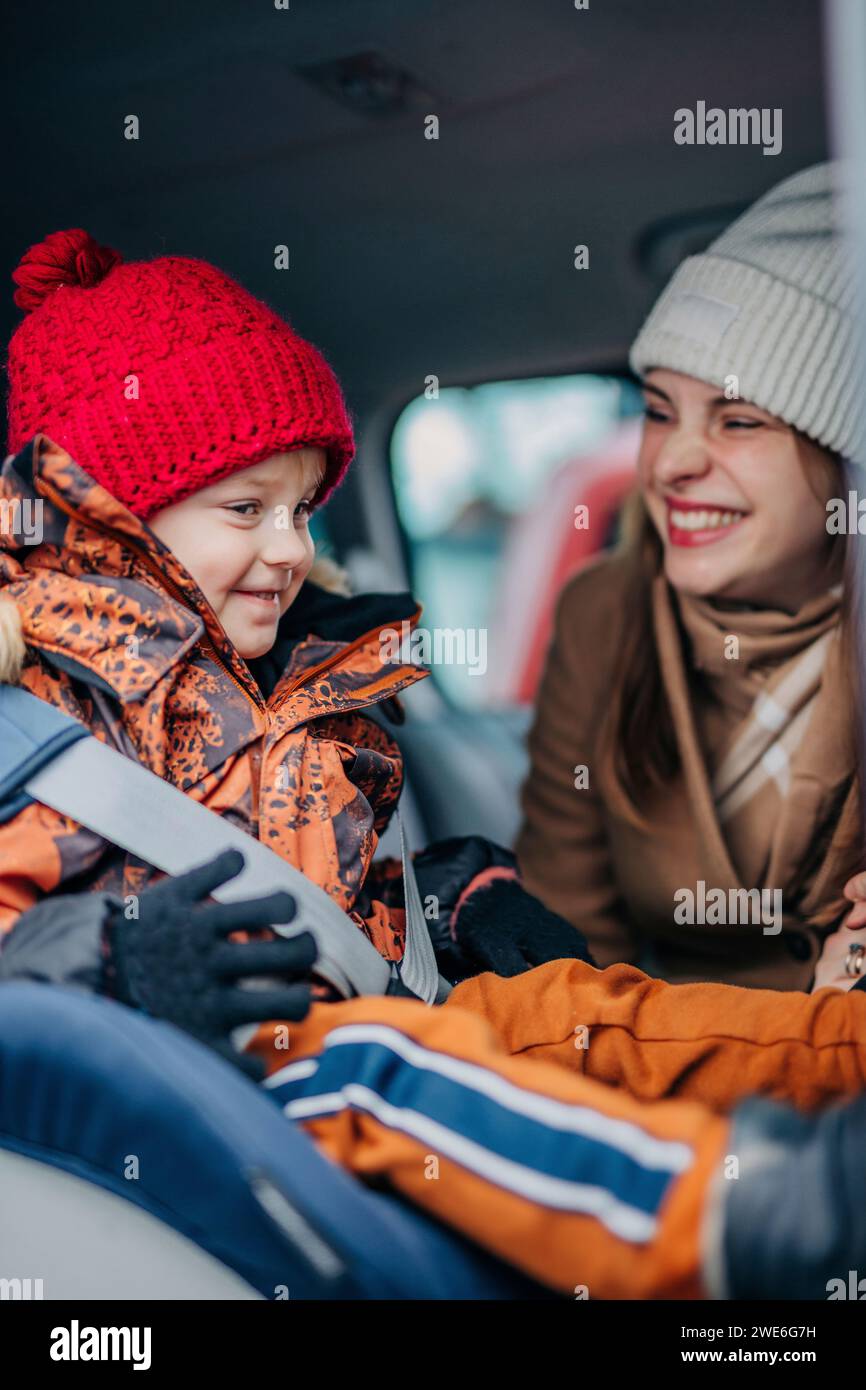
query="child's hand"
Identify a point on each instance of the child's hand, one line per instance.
(503, 928)
(486, 919)
(177, 961)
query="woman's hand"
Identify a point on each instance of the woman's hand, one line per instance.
(855, 891)
(830, 970)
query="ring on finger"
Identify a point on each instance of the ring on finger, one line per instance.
(854, 960)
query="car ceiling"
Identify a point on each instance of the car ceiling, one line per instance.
(407, 256)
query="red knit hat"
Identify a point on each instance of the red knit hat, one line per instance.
(160, 377)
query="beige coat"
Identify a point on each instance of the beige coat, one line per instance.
(581, 852)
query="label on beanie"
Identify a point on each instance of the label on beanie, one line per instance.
(698, 316)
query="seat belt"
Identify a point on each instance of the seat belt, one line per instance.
(130, 806)
(418, 969)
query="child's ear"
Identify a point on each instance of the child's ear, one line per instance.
(330, 576)
(12, 647)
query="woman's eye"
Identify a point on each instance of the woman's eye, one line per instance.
(243, 508)
(303, 511)
(744, 424)
(651, 413)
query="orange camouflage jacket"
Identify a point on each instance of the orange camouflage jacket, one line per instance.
(119, 635)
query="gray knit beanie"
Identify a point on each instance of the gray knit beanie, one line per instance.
(771, 302)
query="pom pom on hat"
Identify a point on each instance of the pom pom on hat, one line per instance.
(63, 258)
(221, 380)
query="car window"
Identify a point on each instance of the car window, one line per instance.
(503, 490)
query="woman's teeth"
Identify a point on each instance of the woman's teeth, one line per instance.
(704, 520)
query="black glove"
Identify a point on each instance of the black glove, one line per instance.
(503, 928)
(174, 962)
(500, 926)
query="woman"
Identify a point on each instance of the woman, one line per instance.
(695, 735)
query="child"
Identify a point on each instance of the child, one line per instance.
(172, 435)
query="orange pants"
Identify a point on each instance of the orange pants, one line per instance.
(571, 1120)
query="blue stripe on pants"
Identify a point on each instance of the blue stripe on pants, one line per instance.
(559, 1154)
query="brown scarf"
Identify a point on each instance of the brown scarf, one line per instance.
(757, 702)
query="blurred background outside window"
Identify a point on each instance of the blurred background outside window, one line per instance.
(489, 481)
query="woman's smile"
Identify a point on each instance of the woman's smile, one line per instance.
(700, 523)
